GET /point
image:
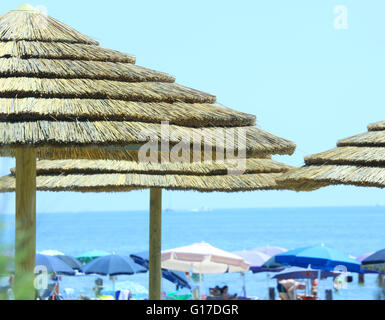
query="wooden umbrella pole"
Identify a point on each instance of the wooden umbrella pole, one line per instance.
(25, 233)
(155, 264)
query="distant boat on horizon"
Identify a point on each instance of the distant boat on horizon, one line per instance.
(202, 209)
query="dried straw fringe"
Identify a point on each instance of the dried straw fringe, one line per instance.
(378, 126)
(109, 133)
(359, 156)
(100, 153)
(79, 69)
(358, 161)
(254, 166)
(367, 139)
(128, 182)
(314, 177)
(61, 50)
(178, 113)
(101, 89)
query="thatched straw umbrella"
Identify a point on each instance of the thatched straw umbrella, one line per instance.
(62, 96)
(358, 161)
(121, 176)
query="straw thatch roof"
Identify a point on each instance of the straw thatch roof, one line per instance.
(60, 90)
(359, 161)
(119, 176)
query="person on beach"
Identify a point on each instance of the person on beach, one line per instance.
(215, 292)
(314, 289)
(286, 288)
(225, 294)
(98, 287)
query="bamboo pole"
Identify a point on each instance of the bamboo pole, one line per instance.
(25, 233)
(155, 265)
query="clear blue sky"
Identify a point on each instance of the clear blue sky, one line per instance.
(281, 60)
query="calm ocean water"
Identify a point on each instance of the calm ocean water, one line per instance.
(352, 230)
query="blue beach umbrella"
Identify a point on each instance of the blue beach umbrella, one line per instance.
(374, 263)
(302, 273)
(177, 277)
(376, 258)
(362, 258)
(318, 257)
(113, 265)
(54, 265)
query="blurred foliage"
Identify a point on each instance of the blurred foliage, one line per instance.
(23, 287)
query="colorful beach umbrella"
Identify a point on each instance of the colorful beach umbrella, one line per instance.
(318, 257)
(203, 258)
(374, 268)
(88, 256)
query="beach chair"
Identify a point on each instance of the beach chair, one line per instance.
(123, 295)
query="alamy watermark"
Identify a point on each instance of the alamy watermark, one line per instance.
(41, 278)
(175, 145)
(340, 282)
(341, 19)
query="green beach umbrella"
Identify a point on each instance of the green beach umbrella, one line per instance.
(91, 255)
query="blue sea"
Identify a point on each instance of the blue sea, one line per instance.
(353, 230)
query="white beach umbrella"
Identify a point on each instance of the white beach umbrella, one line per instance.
(203, 258)
(51, 253)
